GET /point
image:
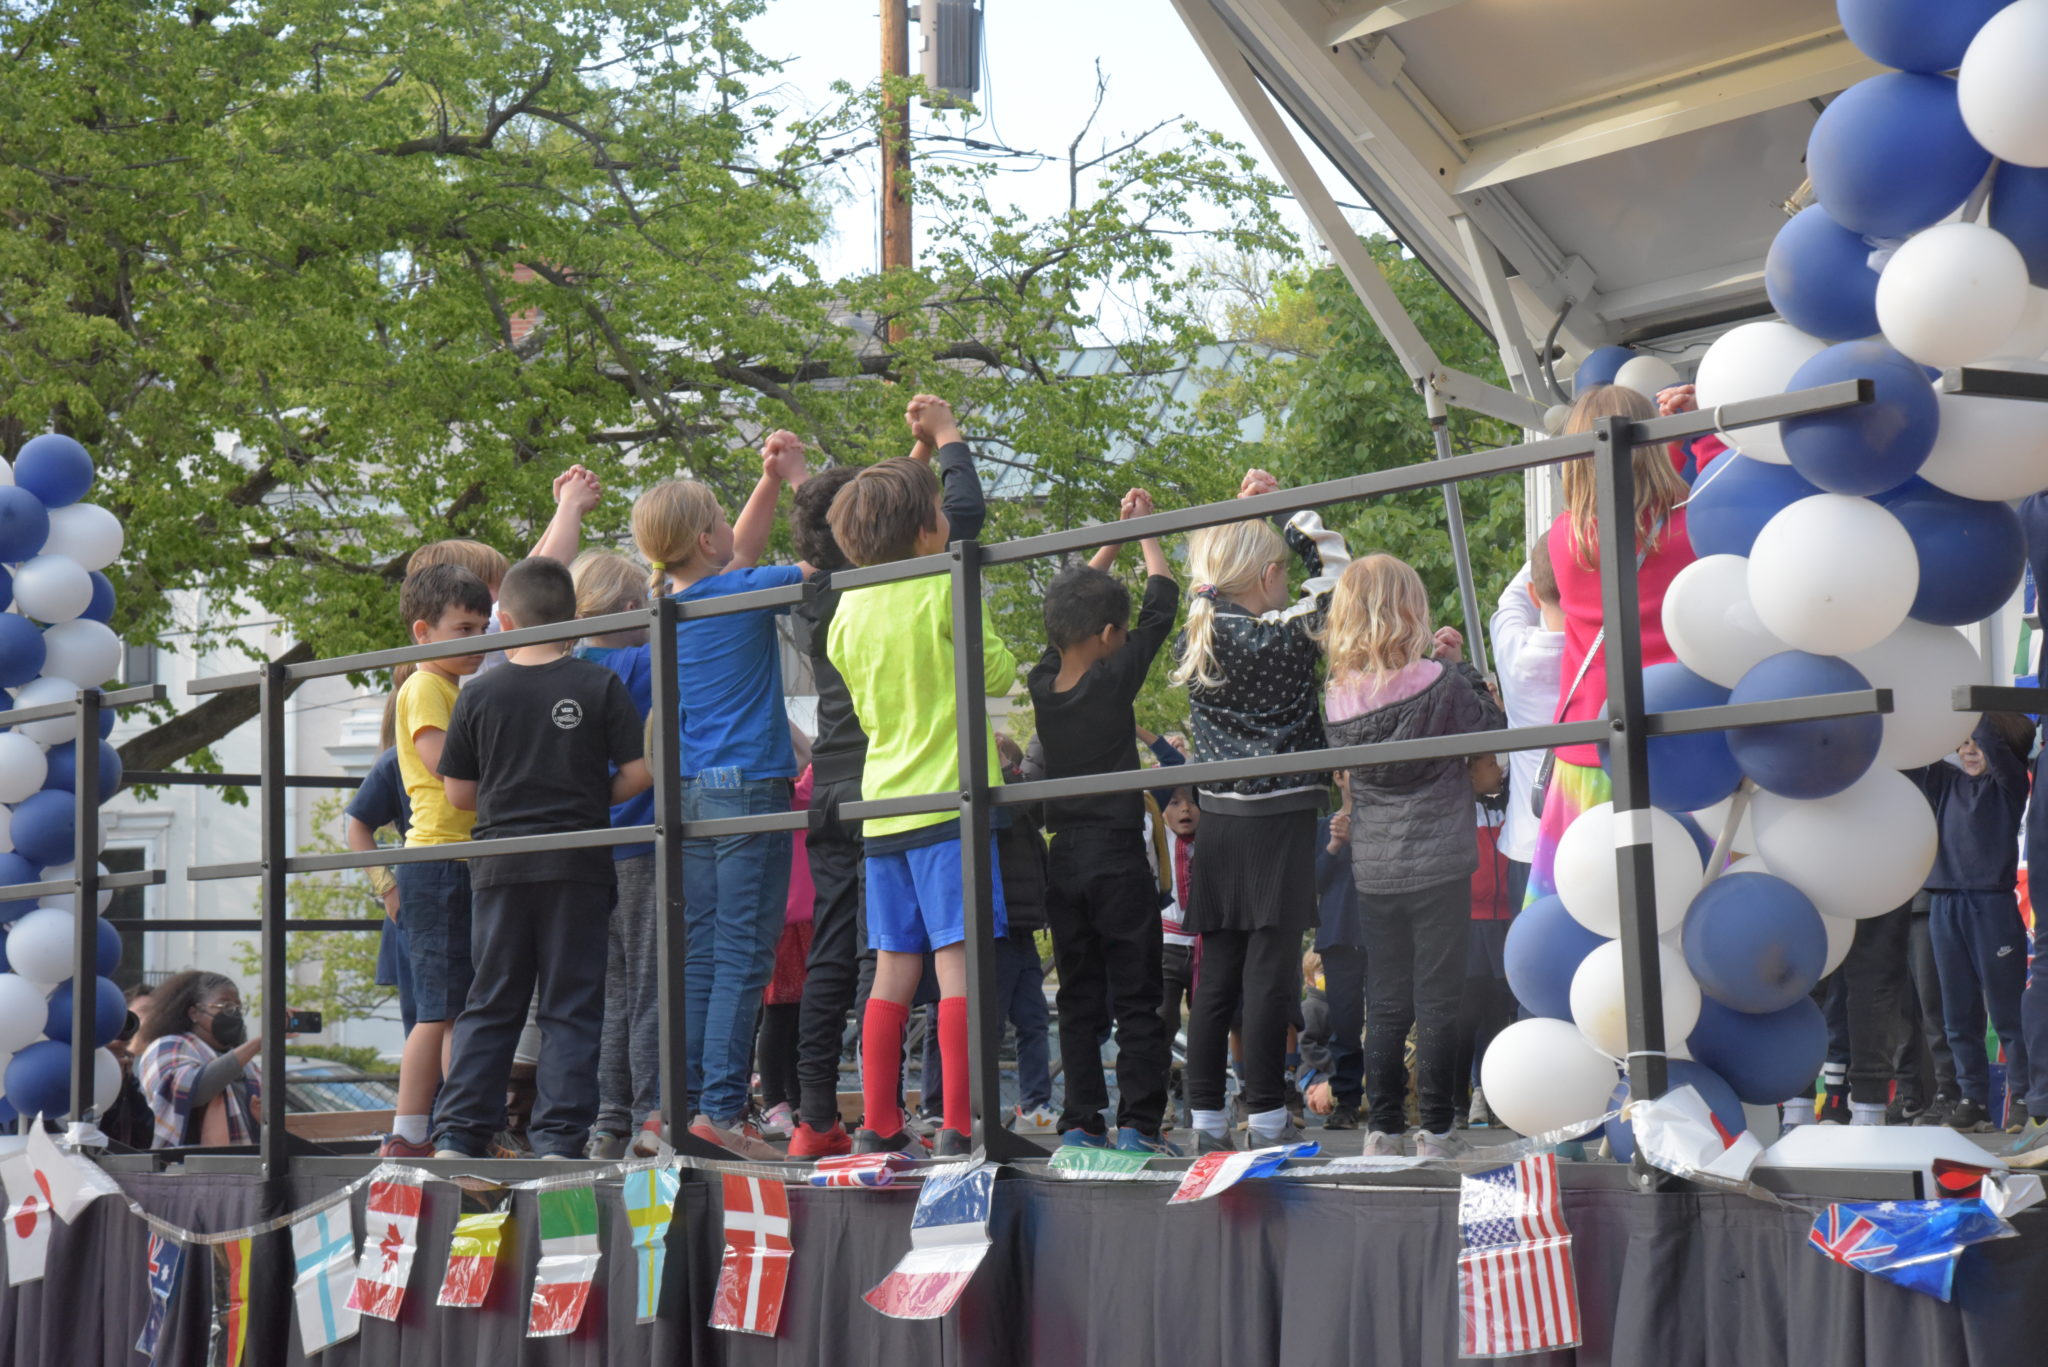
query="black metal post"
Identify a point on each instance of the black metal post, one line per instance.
(85, 853)
(1628, 761)
(275, 847)
(977, 873)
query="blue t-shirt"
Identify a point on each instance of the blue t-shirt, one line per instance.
(634, 666)
(381, 800)
(729, 677)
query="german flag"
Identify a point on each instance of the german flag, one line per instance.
(230, 1336)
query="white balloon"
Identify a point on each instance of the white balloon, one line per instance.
(1922, 664)
(24, 768)
(39, 946)
(38, 692)
(64, 901)
(1601, 1014)
(1711, 624)
(1862, 852)
(106, 1079)
(1555, 417)
(2003, 84)
(52, 588)
(82, 652)
(1713, 818)
(2029, 339)
(1841, 935)
(1833, 574)
(1952, 294)
(24, 1010)
(1540, 1075)
(1646, 375)
(1754, 361)
(1588, 879)
(86, 533)
(1990, 449)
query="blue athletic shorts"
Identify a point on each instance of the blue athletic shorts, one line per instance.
(913, 898)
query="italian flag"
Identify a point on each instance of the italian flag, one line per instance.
(568, 1260)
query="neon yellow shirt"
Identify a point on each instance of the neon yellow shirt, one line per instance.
(425, 703)
(893, 644)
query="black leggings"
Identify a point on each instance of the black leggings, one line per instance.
(1414, 977)
(775, 1054)
(1262, 970)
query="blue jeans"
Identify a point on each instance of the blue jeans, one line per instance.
(735, 895)
(433, 911)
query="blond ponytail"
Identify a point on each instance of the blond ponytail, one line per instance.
(1225, 562)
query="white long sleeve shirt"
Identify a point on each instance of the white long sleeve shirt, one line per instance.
(1531, 661)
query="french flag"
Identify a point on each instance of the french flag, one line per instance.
(948, 1240)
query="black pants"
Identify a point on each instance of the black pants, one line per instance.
(775, 1054)
(1260, 969)
(1414, 978)
(1344, 989)
(1102, 902)
(1487, 1005)
(522, 934)
(1875, 984)
(1928, 1064)
(833, 968)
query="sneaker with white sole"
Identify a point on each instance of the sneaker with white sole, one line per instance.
(1037, 1120)
(1380, 1144)
(1290, 1133)
(606, 1147)
(649, 1139)
(780, 1122)
(737, 1139)
(1445, 1145)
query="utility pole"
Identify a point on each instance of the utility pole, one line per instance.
(895, 140)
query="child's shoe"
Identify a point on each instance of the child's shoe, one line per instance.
(740, 1140)
(809, 1143)
(903, 1141)
(606, 1147)
(1380, 1144)
(1133, 1140)
(952, 1144)
(1970, 1117)
(780, 1122)
(1037, 1120)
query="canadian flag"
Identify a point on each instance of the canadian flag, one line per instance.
(390, 1238)
(29, 1219)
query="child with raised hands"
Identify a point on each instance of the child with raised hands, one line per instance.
(737, 761)
(1250, 656)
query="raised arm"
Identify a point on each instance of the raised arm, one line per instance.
(782, 462)
(576, 493)
(934, 429)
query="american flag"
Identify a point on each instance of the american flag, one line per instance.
(861, 1169)
(1517, 1292)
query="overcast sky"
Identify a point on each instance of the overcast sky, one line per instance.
(1038, 81)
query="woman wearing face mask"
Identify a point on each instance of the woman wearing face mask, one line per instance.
(197, 1063)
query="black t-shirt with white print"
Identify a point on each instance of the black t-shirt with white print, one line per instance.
(541, 741)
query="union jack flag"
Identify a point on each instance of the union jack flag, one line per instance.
(1517, 1289)
(860, 1169)
(1849, 1239)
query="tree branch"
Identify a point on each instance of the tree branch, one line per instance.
(171, 741)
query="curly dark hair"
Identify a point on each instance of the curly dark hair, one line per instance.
(170, 1006)
(815, 544)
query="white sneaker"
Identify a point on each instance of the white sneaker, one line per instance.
(1037, 1120)
(1380, 1144)
(1445, 1145)
(780, 1122)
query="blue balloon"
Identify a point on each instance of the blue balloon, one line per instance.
(1734, 497)
(101, 608)
(22, 652)
(1678, 1072)
(1868, 448)
(1600, 367)
(1804, 759)
(54, 468)
(64, 769)
(1701, 841)
(1819, 278)
(46, 828)
(1915, 35)
(14, 868)
(109, 1012)
(39, 1079)
(24, 524)
(1754, 942)
(107, 720)
(2019, 209)
(107, 957)
(1545, 946)
(1764, 1056)
(1972, 553)
(1891, 155)
(1693, 771)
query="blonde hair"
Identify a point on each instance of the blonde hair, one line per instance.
(480, 560)
(1659, 486)
(1311, 966)
(668, 522)
(607, 582)
(1379, 618)
(1225, 562)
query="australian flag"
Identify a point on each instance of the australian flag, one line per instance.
(164, 1257)
(1913, 1244)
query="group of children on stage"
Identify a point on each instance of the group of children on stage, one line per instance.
(1407, 889)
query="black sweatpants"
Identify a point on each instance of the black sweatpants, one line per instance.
(833, 968)
(1262, 970)
(1875, 982)
(1414, 977)
(1344, 989)
(1930, 1057)
(1102, 903)
(522, 934)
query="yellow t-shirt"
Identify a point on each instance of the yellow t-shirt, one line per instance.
(425, 703)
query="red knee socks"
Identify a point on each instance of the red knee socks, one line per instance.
(881, 1065)
(953, 1064)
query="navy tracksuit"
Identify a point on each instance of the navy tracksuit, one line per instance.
(1980, 943)
(2034, 1003)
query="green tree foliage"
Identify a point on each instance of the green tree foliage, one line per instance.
(332, 972)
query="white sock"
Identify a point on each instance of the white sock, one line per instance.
(1798, 1111)
(1866, 1113)
(1271, 1122)
(411, 1128)
(1215, 1122)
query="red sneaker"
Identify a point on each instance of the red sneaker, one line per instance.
(394, 1147)
(808, 1142)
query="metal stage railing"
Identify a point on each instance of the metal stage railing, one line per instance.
(1626, 732)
